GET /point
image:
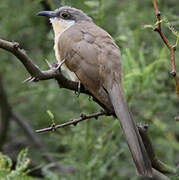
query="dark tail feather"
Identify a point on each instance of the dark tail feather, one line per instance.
(136, 146)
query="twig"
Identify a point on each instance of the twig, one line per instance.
(158, 175)
(74, 122)
(31, 135)
(159, 166)
(167, 43)
(37, 142)
(177, 118)
(156, 163)
(4, 114)
(37, 74)
(7, 113)
(34, 70)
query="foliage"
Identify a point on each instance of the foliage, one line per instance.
(95, 148)
(6, 172)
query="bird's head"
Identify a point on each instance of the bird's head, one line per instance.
(63, 17)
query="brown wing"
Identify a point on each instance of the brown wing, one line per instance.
(92, 55)
(85, 47)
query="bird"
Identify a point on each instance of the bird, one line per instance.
(91, 57)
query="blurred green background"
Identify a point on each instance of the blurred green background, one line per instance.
(96, 149)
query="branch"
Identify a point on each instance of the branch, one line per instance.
(4, 114)
(53, 73)
(156, 163)
(37, 142)
(33, 69)
(31, 135)
(7, 113)
(167, 43)
(158, 176)
(37, 74)
(74, 122)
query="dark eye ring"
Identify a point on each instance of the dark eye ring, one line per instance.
(65, 15)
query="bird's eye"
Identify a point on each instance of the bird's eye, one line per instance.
(65, 15)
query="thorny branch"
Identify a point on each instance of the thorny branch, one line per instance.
(156, 163)
(54, 73)
(4, 114)
(8, 114)
(37, 74)
(74, 122)
(37, 142)
(167, 43)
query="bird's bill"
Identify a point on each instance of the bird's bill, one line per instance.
(49, 14)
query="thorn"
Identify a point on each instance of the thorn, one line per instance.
(75, 123)
(27, 80)
(31, 79)
(174, 47)
(90, 98)
(173, 73)
(102, 111)
(83, 115)
(177, 118)
(77, 94)
(15, 45)
(49, 65)
(145, 127)
(53, 126)
(23, 50)
(158, 13)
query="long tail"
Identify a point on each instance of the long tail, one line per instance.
(136, 146)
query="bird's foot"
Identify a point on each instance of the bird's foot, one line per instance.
(55, 66)
(79, 89)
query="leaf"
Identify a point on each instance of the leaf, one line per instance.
(50, 115)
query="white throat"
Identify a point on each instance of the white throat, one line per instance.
(59, 27)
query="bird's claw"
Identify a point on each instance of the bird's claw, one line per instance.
(55, 66)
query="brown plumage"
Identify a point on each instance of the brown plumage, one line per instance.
(91, 53)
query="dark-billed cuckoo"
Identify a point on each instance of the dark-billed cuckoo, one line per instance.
(92, 57)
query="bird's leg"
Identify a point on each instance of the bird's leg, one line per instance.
(55, 66)
(79, 89)
(60, 64)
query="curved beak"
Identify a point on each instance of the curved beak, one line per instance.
(49, 14)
